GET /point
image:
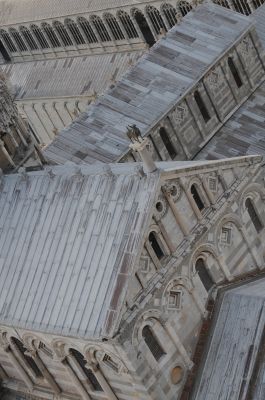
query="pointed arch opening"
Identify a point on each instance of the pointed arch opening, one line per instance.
(62, 33)
(202, 107)
(28, 360)
(114, 26)
(18, 40)
(144, 27)
(253, 215)
(100, 28)
(37, 32)
(51, 35)
(203, 273)
(87, 371)
(156, 19)
(153, 240)
(29, 39)
(197, 198)
(167, 142)
(75, 32)
(234, 72)
(127, 24)
(87, 30)
(170, 13)
(184, 8)
(152, 343)
(242, 6)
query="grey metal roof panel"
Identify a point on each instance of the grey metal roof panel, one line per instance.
(243, 134)
(74, 76)
(68, 242)
(155, 83)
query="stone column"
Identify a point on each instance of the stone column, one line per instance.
(176, 340)
(46, 374)
(191, 201)
(6, 154)
(207, 190)
(178, 217)
(103, 382)
(141, 146)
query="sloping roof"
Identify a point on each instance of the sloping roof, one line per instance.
(68, 241)
(74, 76)
(150, 88)
(18, 11)
(235, 363)
(243, 133)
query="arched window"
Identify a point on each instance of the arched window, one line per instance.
(167, 142)
(8, 41)
(234, 72)
(89, 374)
(51, 35)
(18, 40)
(257, 3)
(170, 14)
(253, 215)
(144, 27)
(40, 37)
(152, 343)
(28, 360)
(197, 197)
(87, 29)
(155, 245)
(202, 107)
(156, 19)
(242, 6)
(184, 7)
(101, 29)
(62, 33)
(29, 38)
(127, 24)
(73, 28)
(223, 3)
(114, 27)
(204, 275)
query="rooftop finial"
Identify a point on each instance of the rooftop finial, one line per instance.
(142, 146)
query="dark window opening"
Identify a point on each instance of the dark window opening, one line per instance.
(152, 343)
(62, 33)
(167, 142)
(156, 19)
(100, 28)
(202, 107)
(234, 72)
(31, 363)
(90, 375)
(51, 35)
(170, 14)
(87, 29)
(114, 27)
(242, 6)
(40, 37)
(4, 52)
(144, 28)
(74, 29)
(253, 215)
(128, 24)
(197, 197)
(18, 40)
(155, 245)
(204, 274)
(184, 7)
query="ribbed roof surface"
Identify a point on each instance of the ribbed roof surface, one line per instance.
(72, 76)
(18, 11)
(68, 242)
(151, 87)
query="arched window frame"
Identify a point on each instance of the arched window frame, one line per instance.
(114, 26)
(253, 214)
(198, 198)
(63, 34)
(39, 36)
(167, 141)
(169, 13)
(86, 28)
(16, 36)
(51, 35)
(29, 38)
(144, 27)
(201, 106)
(223, 3)
(152, 342)
(242, 6)
(8, 41)
(28, 361)
(207, 280)
(88, 372)
(164, 250)
(184, 7)
(156, 19)
(127, 24)
(75, 32)
(100, 28)
(234, 72)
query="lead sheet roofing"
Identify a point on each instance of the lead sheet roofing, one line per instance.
(150, 88)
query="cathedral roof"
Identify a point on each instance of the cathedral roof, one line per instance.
(71, 76)
(234, 366)
(19, 11)
(149, 89)
(69, 239)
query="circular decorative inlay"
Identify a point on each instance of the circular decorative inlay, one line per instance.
(159, 206)
(177, 375)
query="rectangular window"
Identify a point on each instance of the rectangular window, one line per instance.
(226, 235)
(174, 300)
